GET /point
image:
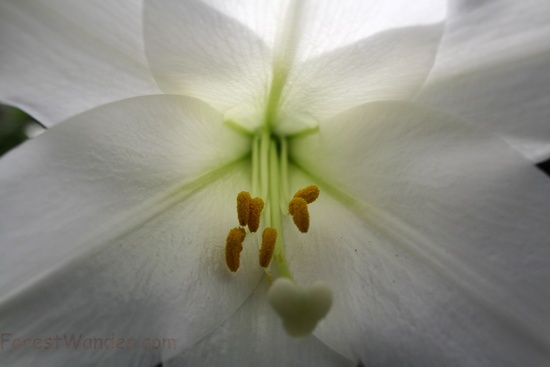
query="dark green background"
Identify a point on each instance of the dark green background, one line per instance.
(15, 127)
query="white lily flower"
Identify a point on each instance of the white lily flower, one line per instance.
(430, 234)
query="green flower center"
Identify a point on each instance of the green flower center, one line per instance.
(300, 307)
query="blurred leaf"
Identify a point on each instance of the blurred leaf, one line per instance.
(15, 127)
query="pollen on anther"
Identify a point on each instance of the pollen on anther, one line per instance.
(233, 248)
(309, 193)
(269, 237)
(300, 215)
(255, 209)
(243, 207)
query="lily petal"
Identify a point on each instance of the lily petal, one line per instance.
(96, 217)
(53, 51)
(331, 56)
(492, 69)
(253, 337)
(263, 18)
(195, 50)
(389, 65)
(314, 27)
(230, 48)
(434, 237)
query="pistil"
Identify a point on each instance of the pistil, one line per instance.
(300, 308)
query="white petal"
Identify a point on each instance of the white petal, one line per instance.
(115, 222)
(195, 50)
(262, 17)
(485, 33)
(219, 52)
(62, 57)
(333, 55)
(253, 336)
(312, 28)
(389, 65)
(492, 69)
(307, 29)
(434, 237)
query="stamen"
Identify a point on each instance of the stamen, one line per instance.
(233, 248)
(309, 193)
(300, 215)
(243, 207)
(269, 236)
(255, 209)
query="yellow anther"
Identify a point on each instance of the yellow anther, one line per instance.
(300, 215)
(268, 246)
(309, 193)
(255, 209)
(233, 248)
(243, 207)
